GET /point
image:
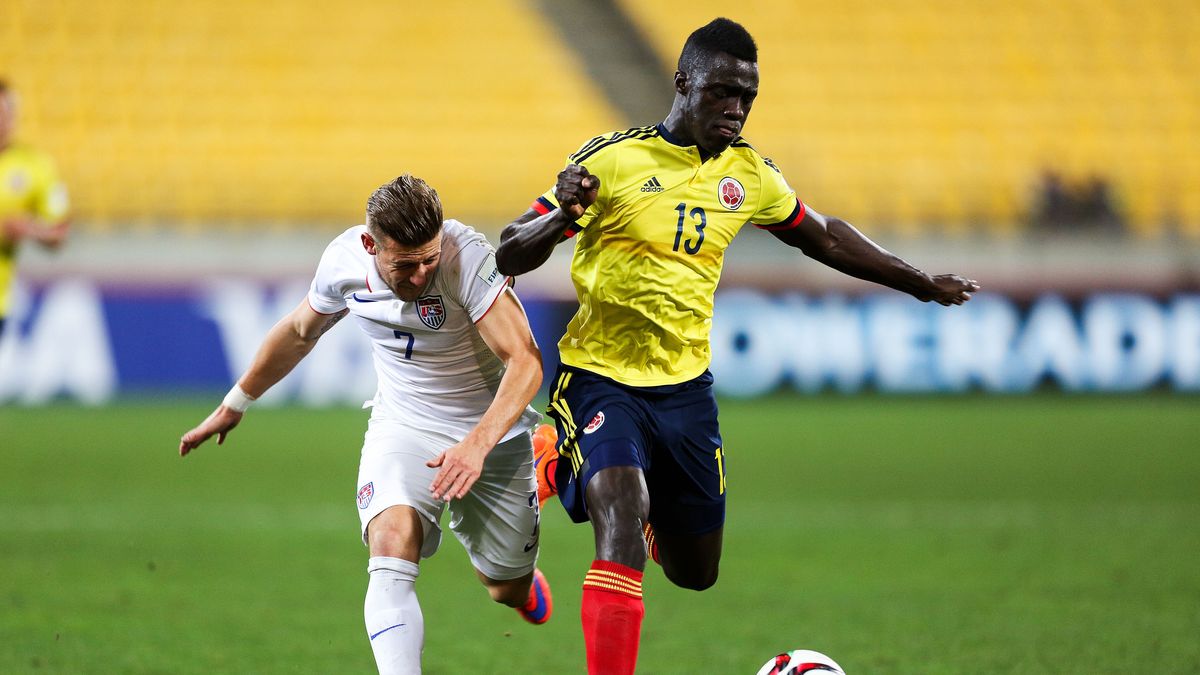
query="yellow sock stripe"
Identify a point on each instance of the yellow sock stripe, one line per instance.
(615, 583)
(612, 588)
(615, 577)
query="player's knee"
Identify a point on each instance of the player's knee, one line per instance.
(397, 533)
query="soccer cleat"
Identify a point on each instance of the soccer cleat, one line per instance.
(651, 545)
(540, 605)
(545, 461)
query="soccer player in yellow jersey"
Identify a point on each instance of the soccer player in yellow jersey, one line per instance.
(653, 210)
(33, 201)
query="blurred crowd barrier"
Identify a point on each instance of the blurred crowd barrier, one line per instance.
(89, 342)
(932, 116)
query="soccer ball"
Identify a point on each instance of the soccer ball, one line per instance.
(800, 661)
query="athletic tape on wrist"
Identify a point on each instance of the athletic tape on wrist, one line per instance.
(237, 399)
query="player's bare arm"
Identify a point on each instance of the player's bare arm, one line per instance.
(49, 235)
(288, 341)
(526, 243)
(505, 329)
(838, 244)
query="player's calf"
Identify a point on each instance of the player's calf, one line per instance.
(529, 595)
(394, 622)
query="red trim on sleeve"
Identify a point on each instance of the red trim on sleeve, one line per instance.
(791, 222)
(541, 208)
(309, 301)
(504, 287)
(799, 216)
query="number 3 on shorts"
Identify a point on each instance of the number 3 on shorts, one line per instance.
(721, 468)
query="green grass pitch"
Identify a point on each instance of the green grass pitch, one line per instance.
(1046, 534)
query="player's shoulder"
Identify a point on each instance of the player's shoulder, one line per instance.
(466, 254)
(604, 144)
(464, 249)
(743, 150)
(459, 239)
(350, 240)
(345, 249)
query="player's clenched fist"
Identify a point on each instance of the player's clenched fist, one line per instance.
(576, 190)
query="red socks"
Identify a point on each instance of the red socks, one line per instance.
(612, 617)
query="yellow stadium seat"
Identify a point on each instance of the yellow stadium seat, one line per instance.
(257, 111)
(962, 105)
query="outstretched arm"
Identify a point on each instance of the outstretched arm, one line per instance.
(839, 245)
(50, 235)
(505, 329)
(285, 345)
(527, 242)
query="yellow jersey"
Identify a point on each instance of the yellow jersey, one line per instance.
(29, 188)
(649, 251)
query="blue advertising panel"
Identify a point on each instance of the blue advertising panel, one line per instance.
(88, 342)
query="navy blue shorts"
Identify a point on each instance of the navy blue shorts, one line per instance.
(669, 432)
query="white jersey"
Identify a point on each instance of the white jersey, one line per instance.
(434, 369)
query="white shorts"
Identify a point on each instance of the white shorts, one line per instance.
(497, 521)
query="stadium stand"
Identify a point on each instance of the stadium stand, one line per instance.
(946, 113)
(280, 112)
(935, 116)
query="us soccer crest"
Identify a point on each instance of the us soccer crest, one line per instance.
(731, 193)
(364, 495)
(431, 311)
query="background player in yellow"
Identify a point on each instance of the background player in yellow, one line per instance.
(33, 201)
(654, 209)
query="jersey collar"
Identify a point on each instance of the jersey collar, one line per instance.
(672, 138)
(679, 143)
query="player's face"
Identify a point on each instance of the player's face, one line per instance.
(407, 270)
(717, 102)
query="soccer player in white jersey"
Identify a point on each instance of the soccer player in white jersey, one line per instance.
(451, 422)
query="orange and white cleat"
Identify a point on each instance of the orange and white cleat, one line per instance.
(545, 461)
(540, 605)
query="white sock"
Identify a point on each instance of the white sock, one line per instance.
(393, 615)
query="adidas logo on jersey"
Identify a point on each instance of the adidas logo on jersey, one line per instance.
(652, 185)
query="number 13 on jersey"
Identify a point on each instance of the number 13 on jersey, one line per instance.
(699, 220)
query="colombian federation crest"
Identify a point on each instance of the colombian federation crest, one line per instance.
(364, 495)
(431, 311)
(731, 193)
(596, 423)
